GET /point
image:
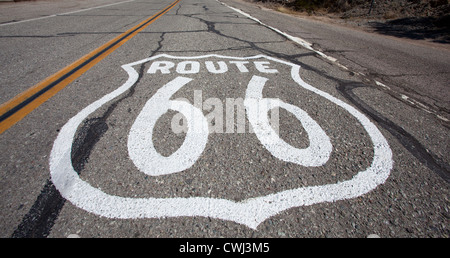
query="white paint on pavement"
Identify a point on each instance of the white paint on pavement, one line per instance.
(308, 46)
(140, 140)
(319, 150)
(250, 212)
(67, 13)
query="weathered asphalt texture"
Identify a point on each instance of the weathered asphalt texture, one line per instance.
(413, 202)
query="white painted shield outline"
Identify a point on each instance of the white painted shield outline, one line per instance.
(250, 212)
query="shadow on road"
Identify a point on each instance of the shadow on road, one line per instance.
(435, 29)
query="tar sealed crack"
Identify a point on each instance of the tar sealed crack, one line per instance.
(93, 129)
(406, 139)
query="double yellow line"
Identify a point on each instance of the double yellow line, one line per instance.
(17, 108)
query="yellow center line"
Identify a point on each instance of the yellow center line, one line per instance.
(20, 106)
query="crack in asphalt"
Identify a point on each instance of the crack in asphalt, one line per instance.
(406, 139)
(43, 214)
(93, 129)
(39, 220)
(345, 88)
(400, 91)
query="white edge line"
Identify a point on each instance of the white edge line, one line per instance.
(59, 14)
(297, 40)
(308, 46)
(381, 84)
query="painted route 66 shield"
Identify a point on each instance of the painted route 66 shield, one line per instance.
(232, 138)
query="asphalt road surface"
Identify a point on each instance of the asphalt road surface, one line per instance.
(200, 118)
